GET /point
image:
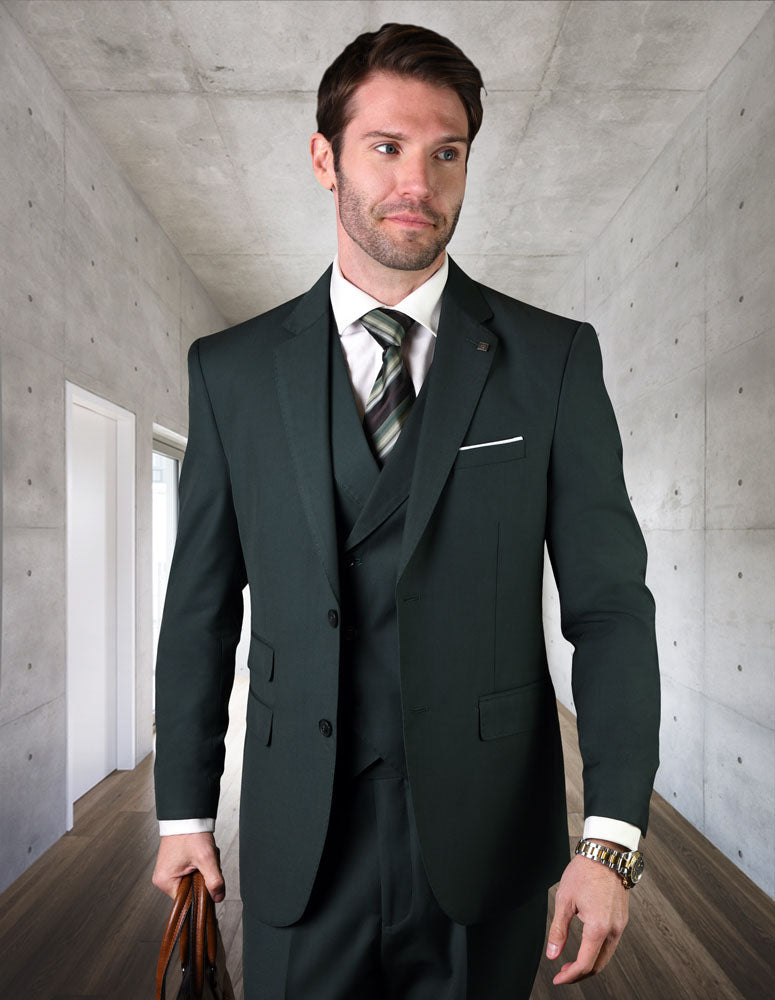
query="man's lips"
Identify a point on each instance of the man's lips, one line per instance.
(415, 221)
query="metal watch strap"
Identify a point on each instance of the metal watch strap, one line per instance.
(618, 861)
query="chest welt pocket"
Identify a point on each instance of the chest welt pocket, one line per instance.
(489, 454)
(261, 657)
(259, 719)
(517, 710)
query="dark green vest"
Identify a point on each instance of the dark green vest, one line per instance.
(371, 508)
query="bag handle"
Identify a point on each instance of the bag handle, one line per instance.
(175, 924)
(193, 911)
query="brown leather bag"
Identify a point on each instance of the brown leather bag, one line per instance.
(202, 957)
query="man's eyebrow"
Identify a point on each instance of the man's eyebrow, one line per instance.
(401, 136)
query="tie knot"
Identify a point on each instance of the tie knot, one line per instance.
(387, 326)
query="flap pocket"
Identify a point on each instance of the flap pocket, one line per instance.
(489, 454)
(504, 713)
(261, 657)
(259, 719)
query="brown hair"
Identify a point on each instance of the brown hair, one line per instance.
(405, 50)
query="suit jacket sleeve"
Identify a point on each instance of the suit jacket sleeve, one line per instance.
(201, 623)
(599, 560)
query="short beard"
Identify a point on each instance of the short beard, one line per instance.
(355, 216)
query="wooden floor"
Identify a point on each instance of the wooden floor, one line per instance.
(84, 922)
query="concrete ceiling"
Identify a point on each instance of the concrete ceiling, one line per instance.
(207, 106)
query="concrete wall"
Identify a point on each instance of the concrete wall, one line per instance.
(681, 288)
(91, 291)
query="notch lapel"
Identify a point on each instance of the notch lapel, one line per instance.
(464, 354)
(302, 379)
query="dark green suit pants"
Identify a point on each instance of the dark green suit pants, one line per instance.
(373, 929)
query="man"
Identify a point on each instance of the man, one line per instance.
(382, 461)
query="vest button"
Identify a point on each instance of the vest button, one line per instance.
(325, 727)
(349, 632)
(333, 618)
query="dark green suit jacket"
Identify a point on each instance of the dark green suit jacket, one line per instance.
(480, 721)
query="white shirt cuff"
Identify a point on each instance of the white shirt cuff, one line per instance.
(169, 827)
(615, 830)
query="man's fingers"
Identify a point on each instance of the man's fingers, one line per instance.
(167, 882)
(595, 950)
(213, 878)
(558, 931)
(180, 854)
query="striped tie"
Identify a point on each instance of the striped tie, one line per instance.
(392, 394)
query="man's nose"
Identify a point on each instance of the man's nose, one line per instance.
(414, 178)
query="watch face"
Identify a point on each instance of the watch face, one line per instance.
(636, 867)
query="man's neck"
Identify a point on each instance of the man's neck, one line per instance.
(386, 284)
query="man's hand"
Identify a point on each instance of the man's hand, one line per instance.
(596, 894)
(182, 853)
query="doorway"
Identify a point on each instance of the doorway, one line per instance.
(100, 691)
(168, 453)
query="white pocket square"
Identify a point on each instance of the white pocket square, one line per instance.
(491, 444)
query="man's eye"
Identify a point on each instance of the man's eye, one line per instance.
(387, 147)
(448, 155)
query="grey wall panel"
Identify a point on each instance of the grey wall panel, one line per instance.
(739, 612)
(91, 290)
(739, 791)
(697, 422)
(682, 750)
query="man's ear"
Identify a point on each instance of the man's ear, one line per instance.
(323, 161)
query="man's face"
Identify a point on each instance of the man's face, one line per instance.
(401, 171)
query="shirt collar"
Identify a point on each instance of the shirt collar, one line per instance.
(349, 303)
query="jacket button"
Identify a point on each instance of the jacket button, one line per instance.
(333, 618)
(325, 727)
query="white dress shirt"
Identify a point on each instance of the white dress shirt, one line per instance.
(364, 359)
(362, 352)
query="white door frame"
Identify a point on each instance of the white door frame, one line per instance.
(126, 736)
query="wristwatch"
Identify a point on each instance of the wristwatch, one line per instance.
(628, 865)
